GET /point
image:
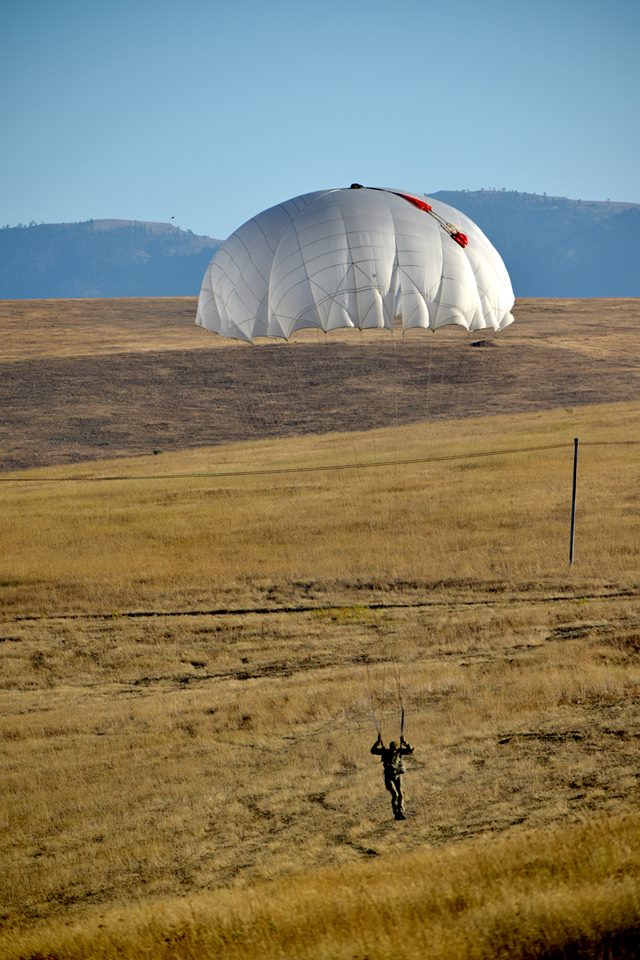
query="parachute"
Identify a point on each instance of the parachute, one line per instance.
(357, 257)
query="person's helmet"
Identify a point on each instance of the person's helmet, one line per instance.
(393, 745)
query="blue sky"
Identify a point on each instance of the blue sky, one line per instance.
(210, 111)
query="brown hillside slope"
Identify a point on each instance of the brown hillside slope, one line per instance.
(81, 380)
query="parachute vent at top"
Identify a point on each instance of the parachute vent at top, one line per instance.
(357, 257)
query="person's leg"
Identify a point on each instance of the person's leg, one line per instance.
(392, 786)
(399, 811)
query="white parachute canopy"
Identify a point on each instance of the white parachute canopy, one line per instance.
(355, 257)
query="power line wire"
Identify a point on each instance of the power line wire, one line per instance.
(326, 468)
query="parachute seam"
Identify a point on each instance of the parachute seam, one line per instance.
(233, 292)
(351, 266)
(302, 247)
(372, 285)
(302, 261)
(356, 265)
(339, 250)
(250, 256)
(402, 270)
(327, 295)
(346, 234)
(310, 279)
(425, 297)
(284, 206)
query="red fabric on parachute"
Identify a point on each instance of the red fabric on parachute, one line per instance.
(416, 201)
(460, 238)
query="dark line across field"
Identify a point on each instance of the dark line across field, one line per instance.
(315, 608)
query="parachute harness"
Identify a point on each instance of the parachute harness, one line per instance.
(454, 232)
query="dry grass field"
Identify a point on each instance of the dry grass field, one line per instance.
(196, 648)
(82, 380)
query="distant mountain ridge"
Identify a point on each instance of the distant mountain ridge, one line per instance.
(101, 258)
(552, 247)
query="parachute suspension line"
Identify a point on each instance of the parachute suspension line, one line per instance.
(298, 428)
(373, 432)
(327, 364)
(259, 392)
(268, 403)
(260, 401)
(460, 394)
(277, 399)
(354, 446)
(394, 341)
(443, 367)
(399, 692)
(366, 513)
(246, 399)
(291, 349)
(392, 445)
(459, 368)
(377, 703)
(245, 412)
(396, 409)
(430, 334)
(376, 715)
(384, 693)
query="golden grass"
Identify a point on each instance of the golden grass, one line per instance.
(572, 891)
(34, 329)
(192, 670)
(37, 329)
(191, 748)
(103, 545)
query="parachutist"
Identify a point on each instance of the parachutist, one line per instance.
(393, 766)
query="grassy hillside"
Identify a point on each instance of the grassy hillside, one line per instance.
(197, 647)
(194, 663)
(442, 506)
(566, 892)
